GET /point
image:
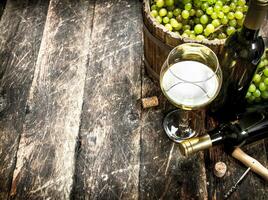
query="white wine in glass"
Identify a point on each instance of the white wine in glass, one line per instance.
(190, 79)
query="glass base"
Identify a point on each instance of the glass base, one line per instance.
(180, 125)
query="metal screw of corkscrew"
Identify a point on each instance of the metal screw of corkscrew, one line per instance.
(234, 187)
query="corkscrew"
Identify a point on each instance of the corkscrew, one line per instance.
(234, 187)
(251, 163)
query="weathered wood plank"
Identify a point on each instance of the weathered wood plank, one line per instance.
(46, 154)
(21, 31)
(108, 157)
(164, 173)
(252, 187)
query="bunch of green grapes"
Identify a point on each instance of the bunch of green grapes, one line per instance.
(200, 19)
(258, 89)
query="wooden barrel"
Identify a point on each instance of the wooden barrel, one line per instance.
(158, 42)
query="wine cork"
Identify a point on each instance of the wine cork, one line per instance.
(220, 169)
(150, 102)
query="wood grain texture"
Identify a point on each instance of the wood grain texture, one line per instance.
(21, 27)
(165, 173)
(46, 154)
(109, 155)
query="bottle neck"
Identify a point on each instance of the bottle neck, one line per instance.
(254, 18)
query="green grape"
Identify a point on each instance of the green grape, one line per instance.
(265, 62)
(219, 3)
(209, 10)
(217, 8)
(257, 78)
(192, 12)
(198, 28)
(204, 6)
(265, 71)
(245, 8)
(265, 80)
(176, 12)
(241, 2)
(251, 98)
(216, 22)
(192, 36)
(224, 20)
(196, 20)
(154, 7)
(188, 6)
(230, 15)
(179, 18)
(162, 12)
(170, 14)
(159, 19)
(206, 32)
(252, 88)
(261, 64)
(170, 8)
(200, 37)
(169, 2)
(262, 87)
(232, 6)
(185, 14)
(185, 35)
(220, 14)
(210, 28)
(234, 1)
(214, 15)
(198, 4)
(204, 19)
(232, 23)
(257, 93)
(178, 27)
(192, 32)
(264, 94)
(165, 20)
(248, 94)
(154, 13)
(222, 36)
(173, 22)
(160, 3)
(240, 22)
(239, 15)
(230, 30)
(239, 8)
(169, 27)
(199, 13)
(186, 27)
(188, 32)
(225, 9)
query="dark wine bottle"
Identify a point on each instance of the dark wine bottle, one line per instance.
(248, 128)
(238, 60)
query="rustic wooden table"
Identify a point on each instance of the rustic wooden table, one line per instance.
(72, 126)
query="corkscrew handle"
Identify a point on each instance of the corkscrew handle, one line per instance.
(250, 162)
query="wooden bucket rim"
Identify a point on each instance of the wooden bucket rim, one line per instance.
(146, 12)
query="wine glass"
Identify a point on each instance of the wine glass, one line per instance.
(190, 79)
